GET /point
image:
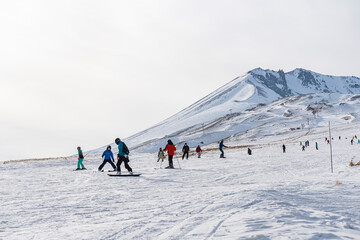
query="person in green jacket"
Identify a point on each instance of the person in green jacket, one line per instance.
(80, 159)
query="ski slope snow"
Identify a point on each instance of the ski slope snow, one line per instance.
(268, 195)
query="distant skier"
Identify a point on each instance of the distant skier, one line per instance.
(221, 146)
(185, 151)
(358, 141)
(300, 143)
(284, 148)
(303, 148)
(161, 155)
(316, 146)
(249, 151)
(123, 156)
(352, 141)
(108, 158)
(170, 148)
(198, 150)
(339, 137)
(80, 159)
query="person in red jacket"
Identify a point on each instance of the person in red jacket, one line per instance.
(198, 150)
(170, 148)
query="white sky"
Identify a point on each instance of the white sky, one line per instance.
(85, 72)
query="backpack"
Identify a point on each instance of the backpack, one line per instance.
(125, 149)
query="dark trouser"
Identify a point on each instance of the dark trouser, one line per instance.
(126, 163)
(107, 161)
(187, 155)
(171, 161)
(222, 153)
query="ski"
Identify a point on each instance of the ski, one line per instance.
(80, 169)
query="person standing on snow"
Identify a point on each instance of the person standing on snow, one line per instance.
(284, 148)
(198, 150)
(161, 155)
(185, 151)
(123, 156)
(170, 148)
(80, 159)
(317, 146)
(221, 146)
(108, 158)
(249, 151)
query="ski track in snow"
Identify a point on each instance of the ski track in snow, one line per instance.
(269, 195)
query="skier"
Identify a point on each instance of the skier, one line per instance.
(80, 159)
(339, 137)
(170, 148)
(108, 158)
(303, 148)
(284, 148)
(161, 155)
(358, 141)
(221, 145)
(185, 151)
(123, 156)
(316, 145)
(198, 150)
(249, 151)
(352, 141)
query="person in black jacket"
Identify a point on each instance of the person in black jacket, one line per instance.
(80, 159)
(284, 148)
(185, 150)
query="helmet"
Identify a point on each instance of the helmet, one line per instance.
(108, 147)
(78, 148)
(117, 141)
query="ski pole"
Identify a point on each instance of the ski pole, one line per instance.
(178, 161)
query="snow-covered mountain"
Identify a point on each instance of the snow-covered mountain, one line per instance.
(253, 105)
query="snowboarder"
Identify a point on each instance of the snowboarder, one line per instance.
(284, 148)
(249, 151)
(108, 158)
(80, 159)
(161, 155)
(185, 151)
(170, 148)
(123, 156)
(198, 150)
(316, 145)
(221, 146)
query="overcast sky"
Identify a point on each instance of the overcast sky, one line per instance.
(81, 73)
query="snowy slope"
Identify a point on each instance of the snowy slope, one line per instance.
(227, 111)
(269, 195)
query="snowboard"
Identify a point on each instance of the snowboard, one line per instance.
(124, 175)
(80, 169)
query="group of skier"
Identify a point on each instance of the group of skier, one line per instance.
(108, 157)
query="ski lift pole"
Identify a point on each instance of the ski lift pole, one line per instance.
(332, 169)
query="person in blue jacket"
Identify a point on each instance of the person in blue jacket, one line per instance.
(108, 158)
(221, 146)
(123, 156)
